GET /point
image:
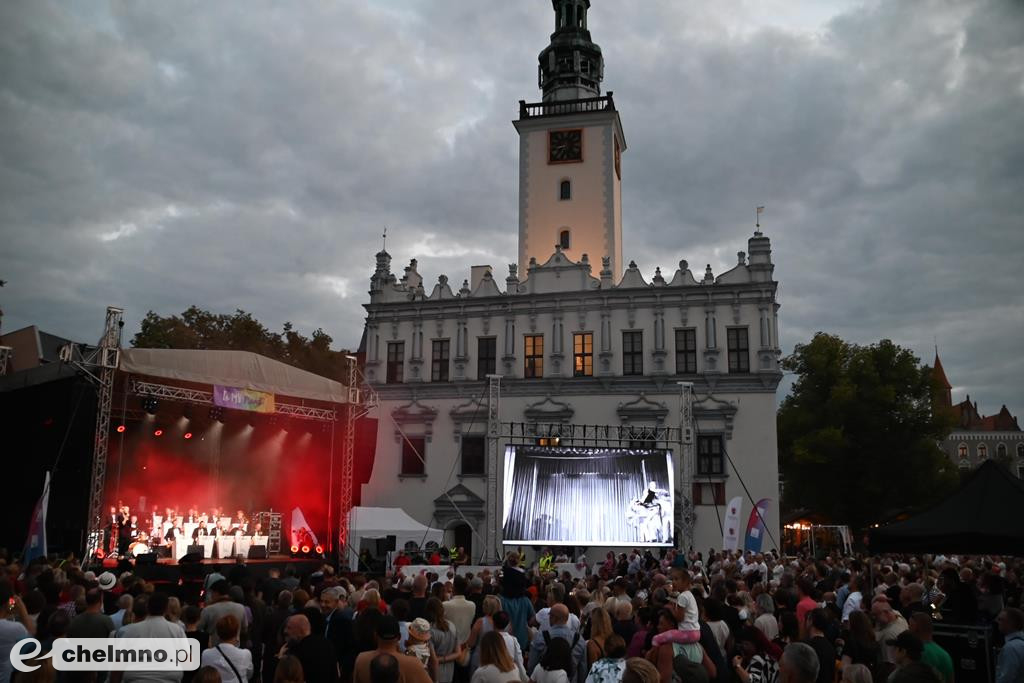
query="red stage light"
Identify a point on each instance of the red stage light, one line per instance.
(319, 550)
(158, 432)
(295, 548)
(305, 548)
(100, 554)
(188, 435)
(120, 429)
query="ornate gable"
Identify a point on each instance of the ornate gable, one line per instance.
(548, 410)
(642, 409)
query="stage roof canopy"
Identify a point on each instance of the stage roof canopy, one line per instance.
(983, 517)
(242, 369)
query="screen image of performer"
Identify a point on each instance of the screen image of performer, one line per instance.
(651, 513)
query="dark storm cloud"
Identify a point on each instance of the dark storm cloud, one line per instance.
(248, 155)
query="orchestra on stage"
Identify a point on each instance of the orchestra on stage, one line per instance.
(172, 533)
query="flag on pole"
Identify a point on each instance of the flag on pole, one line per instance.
(760, 210)
(731, 526)
(35, 544)
(755, 526)
(301, 531)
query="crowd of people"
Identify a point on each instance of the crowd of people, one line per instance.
(640, 617)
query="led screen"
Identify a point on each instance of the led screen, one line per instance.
(587, 496)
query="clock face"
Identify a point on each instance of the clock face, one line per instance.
(565, 146)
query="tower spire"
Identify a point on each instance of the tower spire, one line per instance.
(571, 66)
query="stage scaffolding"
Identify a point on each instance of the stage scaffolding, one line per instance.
(100, 366)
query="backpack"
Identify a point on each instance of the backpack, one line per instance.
(572, 648)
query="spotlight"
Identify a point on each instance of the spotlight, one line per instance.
(217, 413)
(158, 432)
(120, 429)
(319, 550)
(295, 549)
(305, 550)
(188, 435)
(150, 405)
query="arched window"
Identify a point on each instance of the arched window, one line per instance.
(1020, 450)
(565, 190)
(410, 546)
(563, 239)
(1001, 450)
(982, 451)
(962, 451)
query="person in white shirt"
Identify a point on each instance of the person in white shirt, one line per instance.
(556, 595)
(459, 610)
(232, 662)
(153, 626)
(501, 621)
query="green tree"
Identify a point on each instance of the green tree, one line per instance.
(196, 328)
(858, 435)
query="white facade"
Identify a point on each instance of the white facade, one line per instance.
(428, 349)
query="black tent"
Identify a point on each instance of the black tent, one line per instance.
(986, 516)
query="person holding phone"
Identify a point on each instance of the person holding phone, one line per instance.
(15, 625)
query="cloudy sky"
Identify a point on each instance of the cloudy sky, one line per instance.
(249, 154)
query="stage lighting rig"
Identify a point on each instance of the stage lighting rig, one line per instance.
(217, 413)
(150, 405)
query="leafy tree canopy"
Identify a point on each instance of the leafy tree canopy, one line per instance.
(239, 331)
(858, 435)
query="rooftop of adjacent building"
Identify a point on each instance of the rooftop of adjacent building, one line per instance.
(966, 412)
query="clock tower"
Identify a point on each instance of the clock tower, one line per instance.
(570, 149)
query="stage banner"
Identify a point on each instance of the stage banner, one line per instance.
(755, 526)
(731, 527)
(35, 545)
(243, 399)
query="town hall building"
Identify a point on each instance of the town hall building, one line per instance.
(590, 350)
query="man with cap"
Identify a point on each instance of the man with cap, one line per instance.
(906, 649)
(409, 668)
(319, 663)
(932, 653)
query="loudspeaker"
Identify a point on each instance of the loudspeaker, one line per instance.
(192, 558)
(145, 558)
(382, 547)
(197, 549)
(257, 552)
(392, 542)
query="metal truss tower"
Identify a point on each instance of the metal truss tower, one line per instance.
(491, 555)
(105, 360)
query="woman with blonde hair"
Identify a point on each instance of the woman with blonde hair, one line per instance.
(600, 630)
(496, 665)
(482, 627)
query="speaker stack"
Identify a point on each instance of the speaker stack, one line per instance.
(271, 523)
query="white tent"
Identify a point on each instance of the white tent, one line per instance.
(367, 522)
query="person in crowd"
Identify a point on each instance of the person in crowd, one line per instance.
(273, 626)
(560, 630)
(496, 664)
(289, 670)
(557, 664)
(818, 624)
(906, 649)
(861, 645)
(155, 625)
(856, 673)
(609, 667)
(600, 631)
(805, 602)
(92, 623)
(482, 626)
(932, 653)
(645, 617)
(799, 664)
(409, 668)
(418, 645)
(754, 664)
(639, 670)
(232, 662)
(384, 669)
(338, 627)
(220, 605)
(1010, 664)
(319, 663)
(444, 640)
(665, 655)
(555, 595)
(765, 620)
(15, 625)
(418, 601)
(207, 674)
(888, 625)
